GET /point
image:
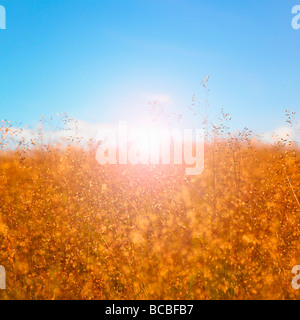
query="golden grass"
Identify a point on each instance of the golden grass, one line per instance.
(71, 229)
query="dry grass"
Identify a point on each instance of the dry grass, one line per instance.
(71, 229)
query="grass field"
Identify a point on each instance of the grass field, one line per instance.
(72, 229)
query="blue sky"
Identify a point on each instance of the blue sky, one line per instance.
(104, 60)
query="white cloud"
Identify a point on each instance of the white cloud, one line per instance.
(283, 133)
(158, 97)
(80, 130)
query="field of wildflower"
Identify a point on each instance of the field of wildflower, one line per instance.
(73, 229)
